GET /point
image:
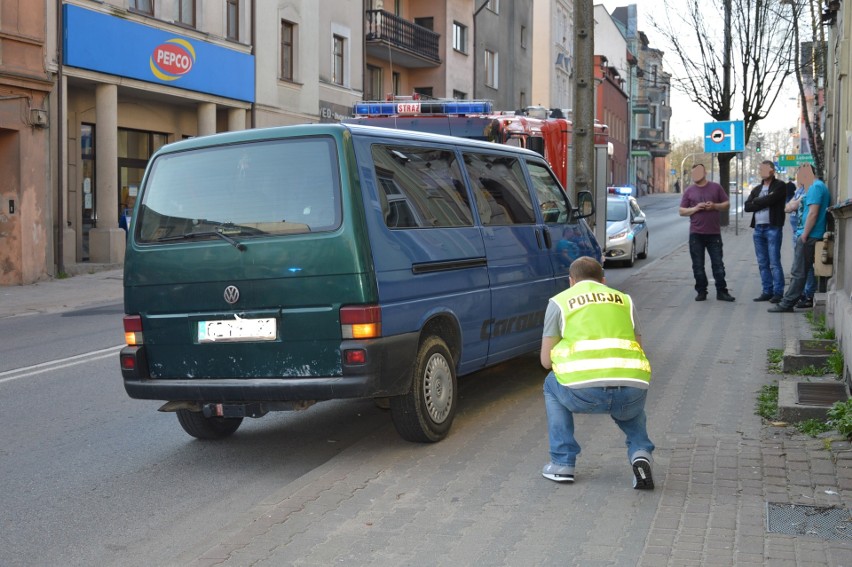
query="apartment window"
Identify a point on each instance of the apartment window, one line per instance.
(144, 6)
(491, 69)
(459, 37)
(428, 23)
(233, 19)
(524, 37)
(337, 60)
(494, 6)
(288, 49)
(186, 12)
(373, 88)
(396, 78)
(459, 95)
(523, 99)
(424, 91)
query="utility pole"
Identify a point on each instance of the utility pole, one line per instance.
(725, 159)
(583, 143)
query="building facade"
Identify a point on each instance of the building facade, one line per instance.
(503, 48)
(27, 206)
(553, 46)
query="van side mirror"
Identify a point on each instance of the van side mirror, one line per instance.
(585, 205)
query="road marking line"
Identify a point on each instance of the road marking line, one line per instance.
(17, 373)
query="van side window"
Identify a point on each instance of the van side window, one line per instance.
(554, 204)
(421, 187)
(500, 189)
(271, 188)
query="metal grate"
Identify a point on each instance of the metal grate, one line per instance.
(820, 393)
(817, 521)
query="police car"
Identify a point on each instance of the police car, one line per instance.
(626, 231)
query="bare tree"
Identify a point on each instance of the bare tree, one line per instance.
(760, 60)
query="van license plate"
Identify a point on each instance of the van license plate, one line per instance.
(237, 330)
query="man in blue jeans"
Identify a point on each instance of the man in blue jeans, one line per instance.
(807, 299)
(592, 344)
(766, 203)
(813, 207)
(702, 202)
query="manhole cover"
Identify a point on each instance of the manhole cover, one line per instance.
(820, 393)
(817, 521)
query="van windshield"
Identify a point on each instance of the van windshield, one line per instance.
(271, 188)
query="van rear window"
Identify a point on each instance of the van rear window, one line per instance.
(271, 188)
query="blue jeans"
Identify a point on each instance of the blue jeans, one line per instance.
(712, 243)
(625, 405)
(803, 264)
(767, 248)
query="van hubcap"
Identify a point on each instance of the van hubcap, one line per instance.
(438, 388)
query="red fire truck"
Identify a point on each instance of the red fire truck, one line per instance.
(530, 128)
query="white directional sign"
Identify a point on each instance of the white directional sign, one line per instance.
(724, 137)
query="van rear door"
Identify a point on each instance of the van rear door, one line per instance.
(240, 260)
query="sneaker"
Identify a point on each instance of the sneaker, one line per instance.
(642, 478)
(780, 309)
(763, 297)
(702, 296)
(558, 473)
(776, 299)
(725, 296)
(805, 303)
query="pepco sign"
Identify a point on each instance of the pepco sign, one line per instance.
(172, 59)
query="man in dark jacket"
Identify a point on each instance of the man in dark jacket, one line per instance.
(766, 202)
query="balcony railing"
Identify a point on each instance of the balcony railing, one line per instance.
(388, 28)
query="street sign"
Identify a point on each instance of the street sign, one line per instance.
(724, 137)
(794, 160)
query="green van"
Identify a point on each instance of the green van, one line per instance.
(270, 269)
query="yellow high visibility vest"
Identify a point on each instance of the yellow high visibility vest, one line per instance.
(598, 346)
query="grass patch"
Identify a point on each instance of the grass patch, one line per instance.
(767, 402)
(811, 370)
(834, 362)
(774, 358)
(813, 427)
(840, 417)
(61, 276)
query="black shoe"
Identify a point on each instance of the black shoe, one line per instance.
(780, 309)
(763, 297)
(642, 477)
(805, 303)
(725, 296)
(702, 296)
(776, 299)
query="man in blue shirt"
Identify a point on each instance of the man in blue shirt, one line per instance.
(813, 207)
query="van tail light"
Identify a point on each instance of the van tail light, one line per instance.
(361, 322)
(133, 330)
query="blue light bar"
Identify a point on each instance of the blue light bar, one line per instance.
(620, 190)
(416, 107)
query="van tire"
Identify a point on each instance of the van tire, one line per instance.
(200, 427)
(426, 412)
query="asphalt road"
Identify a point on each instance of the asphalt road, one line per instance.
(93, 477)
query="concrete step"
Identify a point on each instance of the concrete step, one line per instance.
(800, 399)
(802, 353)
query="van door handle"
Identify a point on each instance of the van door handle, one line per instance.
(547, 240)
(538, 238)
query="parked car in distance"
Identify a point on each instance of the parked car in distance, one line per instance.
(626, 230)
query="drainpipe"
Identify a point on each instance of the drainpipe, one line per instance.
(475, 54)
(254, 52)
(60, 143)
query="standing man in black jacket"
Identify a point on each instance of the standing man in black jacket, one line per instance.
(766, 202)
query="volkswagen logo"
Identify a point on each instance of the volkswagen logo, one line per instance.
(232, 294)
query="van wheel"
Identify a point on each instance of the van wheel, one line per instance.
(200, 427)
(426, 412)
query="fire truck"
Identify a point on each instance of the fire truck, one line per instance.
(533, 128)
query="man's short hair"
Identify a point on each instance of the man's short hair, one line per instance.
(810, 165)
(768, 162)
(586, 268)
(701, 165)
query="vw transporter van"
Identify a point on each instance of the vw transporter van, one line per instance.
(267, 270)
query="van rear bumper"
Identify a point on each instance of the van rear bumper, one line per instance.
(387, 373)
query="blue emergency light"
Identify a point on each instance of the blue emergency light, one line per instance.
(412, 107)
(620, 190)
